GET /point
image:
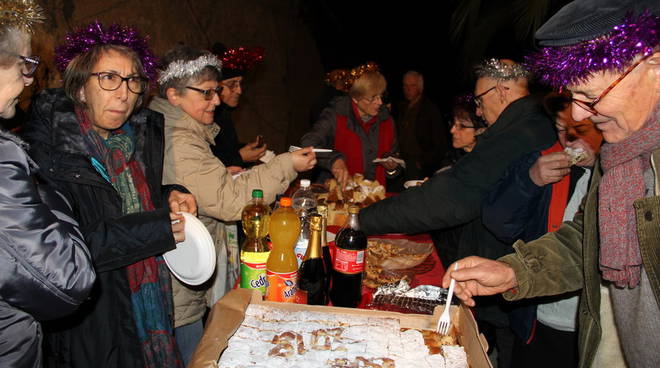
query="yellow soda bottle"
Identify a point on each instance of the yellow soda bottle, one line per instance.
(254, 251)
(282, 266)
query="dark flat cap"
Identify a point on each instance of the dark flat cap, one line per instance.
(584, 20)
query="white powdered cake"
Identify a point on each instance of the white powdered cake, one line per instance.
(273, 338)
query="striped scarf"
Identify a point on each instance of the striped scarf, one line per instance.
(149, 279)
(622, 183)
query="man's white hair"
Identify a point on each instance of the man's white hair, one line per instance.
(420, 77)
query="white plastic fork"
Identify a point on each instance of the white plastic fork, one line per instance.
(445, 321)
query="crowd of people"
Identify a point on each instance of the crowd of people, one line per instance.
(551, 199)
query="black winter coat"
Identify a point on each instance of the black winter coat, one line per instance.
(45, 268)
(454, 197)
(102, 333)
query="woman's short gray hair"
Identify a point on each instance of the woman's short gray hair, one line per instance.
(12, 40)
(185, 58)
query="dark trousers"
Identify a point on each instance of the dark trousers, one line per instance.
(550, 348)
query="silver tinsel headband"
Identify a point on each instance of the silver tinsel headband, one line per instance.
(185, 69)
(497, 69)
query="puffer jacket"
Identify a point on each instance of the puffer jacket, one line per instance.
(102, 332)
(45, 268)
(567, 260)
(190, 162)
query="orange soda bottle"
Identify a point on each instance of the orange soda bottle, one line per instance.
(282, 266)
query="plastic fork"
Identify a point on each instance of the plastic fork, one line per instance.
(445, 321)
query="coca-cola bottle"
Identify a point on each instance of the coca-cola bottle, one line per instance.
(349, 262)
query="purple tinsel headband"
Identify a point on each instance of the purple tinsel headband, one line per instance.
(84, 39)
(562, 66)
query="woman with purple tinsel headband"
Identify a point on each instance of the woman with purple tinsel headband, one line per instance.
(94, 142)
(607, 54)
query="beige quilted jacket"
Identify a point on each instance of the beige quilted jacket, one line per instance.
(190, 162)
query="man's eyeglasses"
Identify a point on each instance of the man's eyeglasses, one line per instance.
(478, 98)
(110, 81)
(590, 106)
(208, 93)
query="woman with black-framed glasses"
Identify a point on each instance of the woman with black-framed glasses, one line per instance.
(189, 92)
(104, 151)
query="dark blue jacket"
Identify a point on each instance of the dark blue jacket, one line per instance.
(518, 209)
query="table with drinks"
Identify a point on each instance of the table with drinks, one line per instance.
(287, 256)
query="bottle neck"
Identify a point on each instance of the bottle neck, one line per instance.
(324, 232)
(352, 221)
(314, 246)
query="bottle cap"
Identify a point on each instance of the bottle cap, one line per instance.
(353, 209)
(305, 183)
(285, 202)
(257, 193)
(315, 222)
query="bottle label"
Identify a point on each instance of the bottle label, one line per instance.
(281, 287)
(349, 261)
(301, 249)
(253, 270)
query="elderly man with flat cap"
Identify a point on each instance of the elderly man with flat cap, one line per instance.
(607, 54)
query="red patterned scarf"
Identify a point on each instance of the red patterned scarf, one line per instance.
(149, 279)
(623, 166)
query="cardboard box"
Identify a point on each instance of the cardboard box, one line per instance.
(228, 313)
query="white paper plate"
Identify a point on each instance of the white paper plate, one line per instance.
(412, 183)
(193, 260)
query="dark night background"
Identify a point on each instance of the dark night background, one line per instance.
(440, 39)
(305, 38)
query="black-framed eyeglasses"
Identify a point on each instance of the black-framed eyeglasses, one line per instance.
(590, 106)
(461, 126)
(111, 81)
(478, 99)
(208, 93)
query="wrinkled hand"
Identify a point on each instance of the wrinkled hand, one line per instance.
(389, 165)
(233, 170)
(182, 202)
(340, 172)
(178, 227)
(479, 276)
(251, 153)
(590, 155)
(550, 168)
(303, 159)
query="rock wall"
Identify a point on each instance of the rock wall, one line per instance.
(277, 94)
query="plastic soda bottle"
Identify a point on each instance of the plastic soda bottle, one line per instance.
(304, 203)
(349, 262)
(254, 251)
(282, 267)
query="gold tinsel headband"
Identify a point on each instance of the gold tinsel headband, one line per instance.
(21, 14)
(355, 73)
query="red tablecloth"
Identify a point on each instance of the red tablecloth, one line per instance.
(429, 272)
